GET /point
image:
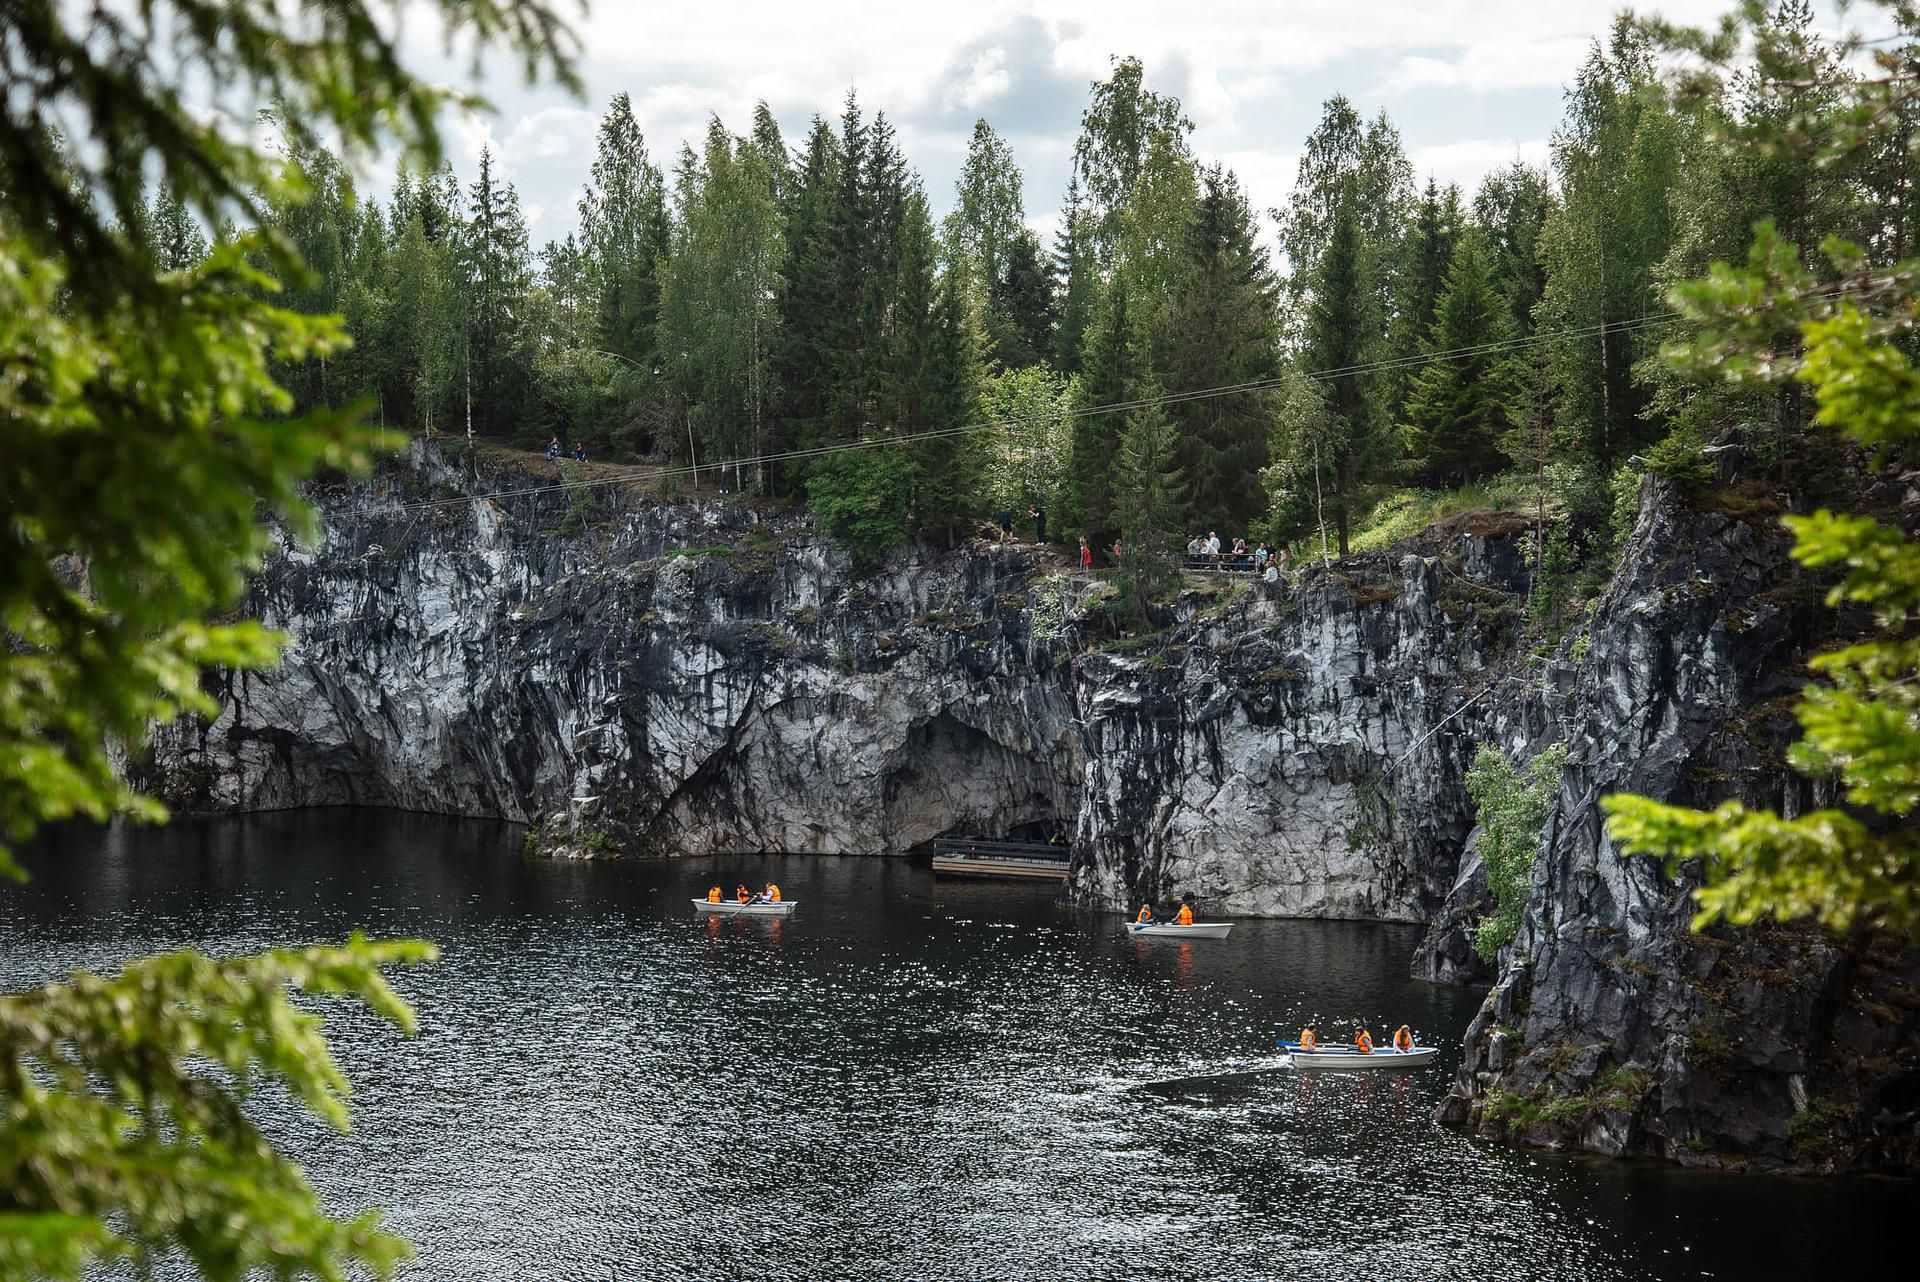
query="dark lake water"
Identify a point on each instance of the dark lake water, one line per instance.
(908, 1078)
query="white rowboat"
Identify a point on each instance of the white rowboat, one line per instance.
(1199, 929)
(1348, 1057)
(734, 908)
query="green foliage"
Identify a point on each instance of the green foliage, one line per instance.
(1861, 725)
(147, 438)
(1346, 436)
(1118, 132)
(862, 499)
(1147, 505)
(1620, 153)
(1028, 441)
(1459, 408)
(717, 318)
(1511, 806)
(127, 1133)
(1219, 331)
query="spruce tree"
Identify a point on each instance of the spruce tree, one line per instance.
(1460, 407)
(950, 467)
(624, 234)
(1111, 369)
(496, 273)
(1220, 331)
(1340, 340)
(1147, 501)
(1425, 260)
(1020, 306)
(1510, 209)
(804, 358)
(1078, 283)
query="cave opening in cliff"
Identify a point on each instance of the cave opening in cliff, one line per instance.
(953, 779)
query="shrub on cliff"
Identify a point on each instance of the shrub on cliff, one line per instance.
(1510, 805)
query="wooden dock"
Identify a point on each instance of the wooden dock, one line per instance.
(983, 857)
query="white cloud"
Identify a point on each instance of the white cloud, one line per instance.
(1454, 74)
(1498, 64)
(1469, 160)
(985, 80)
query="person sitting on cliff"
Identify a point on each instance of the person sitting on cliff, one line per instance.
(1146, 916)
(1309, 1039)
(771, 894)
(554, 448)
(713, 894)
(1363, 1040)
(1403, 1039)
(742, 894)
(1185, 916)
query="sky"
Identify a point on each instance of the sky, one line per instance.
(1471, 85)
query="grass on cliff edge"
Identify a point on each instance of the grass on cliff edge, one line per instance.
(1397, 515)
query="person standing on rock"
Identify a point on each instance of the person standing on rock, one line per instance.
(1006, 524)
(1039, 515)
(1086, 554)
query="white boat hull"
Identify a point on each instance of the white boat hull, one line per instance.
(1199, 930)
(733, 908)
(1346, 1057)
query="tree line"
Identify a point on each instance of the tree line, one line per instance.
(763, 305)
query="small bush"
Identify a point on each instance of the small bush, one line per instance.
(1511, 807)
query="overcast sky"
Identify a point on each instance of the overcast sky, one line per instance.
(1471, 85)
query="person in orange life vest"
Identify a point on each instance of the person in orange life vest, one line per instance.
(1363, 1041)
(1185, 916)
(1402, 1038)
(713, 895)
(771, 894)
(1146, 916)
(1309, 1040)
(742, 894)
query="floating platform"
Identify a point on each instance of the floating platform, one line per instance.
(1011, 860)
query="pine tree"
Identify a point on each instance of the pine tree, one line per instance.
(497, 272)
(1460, 407)
(1220, 331)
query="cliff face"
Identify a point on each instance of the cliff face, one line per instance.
(711, 677)
(1616, 1030)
